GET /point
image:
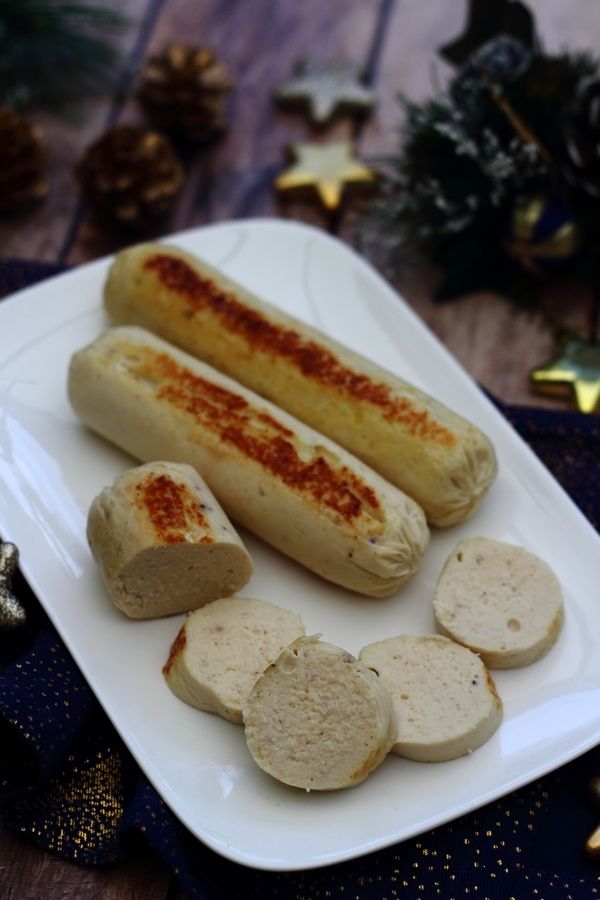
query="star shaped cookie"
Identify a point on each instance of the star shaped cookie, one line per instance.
(327, 169)
(576, 368)
(325, 88)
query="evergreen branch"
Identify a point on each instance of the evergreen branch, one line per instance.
(53, 52)
(467, 155)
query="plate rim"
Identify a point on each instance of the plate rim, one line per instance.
(29, 572)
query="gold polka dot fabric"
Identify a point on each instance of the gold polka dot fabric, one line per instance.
(568, 443)
(68, 783)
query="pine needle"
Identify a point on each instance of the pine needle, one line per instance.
(56, 52)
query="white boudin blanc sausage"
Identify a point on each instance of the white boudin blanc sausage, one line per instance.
(500, 600)
(282, 480)
(163, 543)
(319, 719)
(445, 699)
(438, 458)
(221, 649)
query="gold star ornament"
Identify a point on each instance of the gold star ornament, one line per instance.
(575, 369)
(326, 88)
(325, 169)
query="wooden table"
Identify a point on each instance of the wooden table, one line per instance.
(260, 40)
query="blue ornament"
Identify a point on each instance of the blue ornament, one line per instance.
(500, 61)
(542, 234)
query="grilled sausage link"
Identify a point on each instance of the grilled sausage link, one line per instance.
(438, 458)
(291, 486)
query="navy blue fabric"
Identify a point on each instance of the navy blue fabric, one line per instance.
(68, 783)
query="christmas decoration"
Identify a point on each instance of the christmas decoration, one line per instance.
(583, 137)
(184, 90)
(325, 169)
(495, 178)
(575, 369)
(54, 52)
(23, 162)
(12, 614)
(543, 236)
(592, 845)
(487, 20)
(130, 177)
(325, 88)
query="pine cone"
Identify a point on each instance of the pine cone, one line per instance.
(184, 91)
(130, 176)
(23, 162)
(583, 138)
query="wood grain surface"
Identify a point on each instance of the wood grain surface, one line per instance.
(261, 40)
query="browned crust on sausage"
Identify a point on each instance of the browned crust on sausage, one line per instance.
(177, 647)
(312, 359)
(231, 417)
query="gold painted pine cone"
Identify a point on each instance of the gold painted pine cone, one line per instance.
(23, 162)
(130, 177)
(184, 91)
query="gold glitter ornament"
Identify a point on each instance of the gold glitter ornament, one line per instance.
(592, 845)
(575, 369)
(325, 88)
(12, 614)
(325, 169)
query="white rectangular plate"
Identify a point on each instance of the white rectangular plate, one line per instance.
(51, 468)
